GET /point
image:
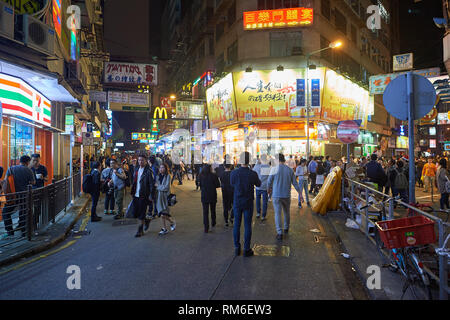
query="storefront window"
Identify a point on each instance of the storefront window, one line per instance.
(21, 141)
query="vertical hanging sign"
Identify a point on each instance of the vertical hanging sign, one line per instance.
(300, 92)
(315, 92)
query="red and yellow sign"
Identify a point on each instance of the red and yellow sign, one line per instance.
(280, 18)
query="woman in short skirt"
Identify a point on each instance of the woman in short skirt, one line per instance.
(162, 205)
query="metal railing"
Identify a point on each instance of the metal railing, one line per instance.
(355, 190)
(36, 208)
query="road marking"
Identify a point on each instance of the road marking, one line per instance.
(68, 244)
(42, 256)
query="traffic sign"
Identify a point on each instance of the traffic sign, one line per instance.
(348, 131)
(395, 97)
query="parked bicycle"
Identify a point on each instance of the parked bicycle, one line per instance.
(399, 236)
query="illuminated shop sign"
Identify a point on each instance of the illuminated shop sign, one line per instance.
(20, 99)
(56, 13)
(280, 18)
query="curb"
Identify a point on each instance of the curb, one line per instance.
(360, 274)
(49, 245)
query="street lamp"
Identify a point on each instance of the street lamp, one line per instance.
(332, 45)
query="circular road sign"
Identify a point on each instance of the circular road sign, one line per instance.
(348, 131)
(395, 97)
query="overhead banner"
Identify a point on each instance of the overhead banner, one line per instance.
(272, 95)
(378, 83)
(345, 100)
(131, 73)
(128, 101)
(190, 110)
(20, 99)
(221, 102)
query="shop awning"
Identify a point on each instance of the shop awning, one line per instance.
(46, 83)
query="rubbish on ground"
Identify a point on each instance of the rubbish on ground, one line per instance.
(99, 267)
(345, 255)
(315, 230)
(351, 224)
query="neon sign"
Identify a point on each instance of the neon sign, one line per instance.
(280, 18)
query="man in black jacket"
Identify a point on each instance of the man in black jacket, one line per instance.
(95, 190)
(141, 191)
(375, 172)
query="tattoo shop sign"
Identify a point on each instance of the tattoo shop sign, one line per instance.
(131, 73)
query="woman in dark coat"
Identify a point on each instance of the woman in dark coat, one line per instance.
(209, 182)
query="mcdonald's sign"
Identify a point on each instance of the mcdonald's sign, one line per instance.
(160, 113)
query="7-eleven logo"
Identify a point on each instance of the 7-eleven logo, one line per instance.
(38, 107)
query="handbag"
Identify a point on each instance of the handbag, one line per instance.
(171, 198)
(105, 187)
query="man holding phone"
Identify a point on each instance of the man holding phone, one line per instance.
(39, 170)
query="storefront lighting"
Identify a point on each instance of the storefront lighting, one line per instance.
(173, 97)
(26, 122)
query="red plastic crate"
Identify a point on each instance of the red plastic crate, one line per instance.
(406, 232)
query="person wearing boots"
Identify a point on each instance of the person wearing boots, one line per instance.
(141, 192)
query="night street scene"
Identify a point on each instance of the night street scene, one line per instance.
(225, 158)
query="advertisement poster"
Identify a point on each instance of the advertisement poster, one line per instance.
(270, 94)
(221, 102)
(345, 100)
(190, 110)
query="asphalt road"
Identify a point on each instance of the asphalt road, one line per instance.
(189, 264)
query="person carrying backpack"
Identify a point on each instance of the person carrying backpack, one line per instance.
(401, 182)
(91, 185)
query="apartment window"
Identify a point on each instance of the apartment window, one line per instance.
(326, 9)
(232, 53)
(341, 21)
(219, 31)
(232, 14)
(354, 34)
(261, 4)
(282, 43)
(326, 54)
(211, 46)
(220, 63)
(278, 4)
(202, 50)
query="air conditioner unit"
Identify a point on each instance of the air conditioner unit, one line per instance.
(38, 35)
(72, 70)
(6, 20)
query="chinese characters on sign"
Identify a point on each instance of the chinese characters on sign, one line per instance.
(280, 18)
(130, 73)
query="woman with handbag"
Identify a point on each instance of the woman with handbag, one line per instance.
(442, 182)
(162, 204)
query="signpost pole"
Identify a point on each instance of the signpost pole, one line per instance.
(410, 95)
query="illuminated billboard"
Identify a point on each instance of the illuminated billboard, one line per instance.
(280, 18)
(221, 102)
(345, 100)
(272, 95)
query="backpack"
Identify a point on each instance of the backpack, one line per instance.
(320, 169)
(87, 183)
(401, 182)
(447, 185)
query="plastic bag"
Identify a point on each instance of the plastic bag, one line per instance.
(351, 224)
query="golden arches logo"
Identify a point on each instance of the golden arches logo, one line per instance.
(160, 113)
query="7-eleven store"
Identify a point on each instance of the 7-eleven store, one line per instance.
(26, 118)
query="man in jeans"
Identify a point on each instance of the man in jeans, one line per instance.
(23, 176)
(312, 169)
(263, 171)
(302, 174)
(118, 178)
(279, 184)
(243, 181)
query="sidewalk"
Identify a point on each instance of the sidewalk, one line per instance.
(46, 238)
